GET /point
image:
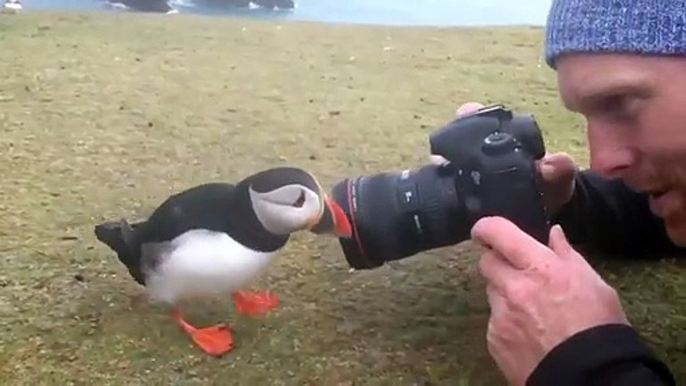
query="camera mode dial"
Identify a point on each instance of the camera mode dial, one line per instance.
(499, 143)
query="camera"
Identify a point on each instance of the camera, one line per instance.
(487, 168)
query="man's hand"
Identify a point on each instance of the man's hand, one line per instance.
(539, 295)
(557, 170)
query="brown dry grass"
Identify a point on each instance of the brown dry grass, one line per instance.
(104, 115)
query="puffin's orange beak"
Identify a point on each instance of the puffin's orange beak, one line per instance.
(342, 226)
(333, 220)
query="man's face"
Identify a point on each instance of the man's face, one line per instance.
(635, 109)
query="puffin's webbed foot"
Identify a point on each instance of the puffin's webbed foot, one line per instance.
(255, 303)
(215, 340)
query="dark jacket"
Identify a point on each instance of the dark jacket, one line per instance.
(607, 217)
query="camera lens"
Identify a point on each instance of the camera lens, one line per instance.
(396, 215)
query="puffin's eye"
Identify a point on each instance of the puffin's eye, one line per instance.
(300, 201)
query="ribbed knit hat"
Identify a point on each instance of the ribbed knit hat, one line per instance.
(627, 26)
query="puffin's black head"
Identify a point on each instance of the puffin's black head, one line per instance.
(289, 199)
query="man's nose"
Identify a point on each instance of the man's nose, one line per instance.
(612, 153)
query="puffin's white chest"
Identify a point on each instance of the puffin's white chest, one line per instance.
(201, 263)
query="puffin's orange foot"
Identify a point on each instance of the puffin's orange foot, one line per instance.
(215, 340)
(255, 303)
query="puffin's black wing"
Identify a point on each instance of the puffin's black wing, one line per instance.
(201, 207)
(216, 207)
(206, 206)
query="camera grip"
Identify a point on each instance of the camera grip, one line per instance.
(505, 182)
(520, 202)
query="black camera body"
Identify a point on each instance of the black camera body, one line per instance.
(487, 168)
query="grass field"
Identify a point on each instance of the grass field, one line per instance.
(105, 115)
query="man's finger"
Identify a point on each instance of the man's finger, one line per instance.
(557, 166)
(517, 247)
(558, 242)
(563, 249)
(468, 108)
(497, 271)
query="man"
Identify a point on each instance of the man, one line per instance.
(554, 321)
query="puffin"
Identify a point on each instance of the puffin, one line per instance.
(212, 239)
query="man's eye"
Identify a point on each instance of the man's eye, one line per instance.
(619, 107)
(613, 104)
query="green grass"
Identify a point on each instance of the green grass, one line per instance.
(105, 115)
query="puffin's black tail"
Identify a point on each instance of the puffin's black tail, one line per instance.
(120, 237)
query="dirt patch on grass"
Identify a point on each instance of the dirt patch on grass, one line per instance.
(104, 115)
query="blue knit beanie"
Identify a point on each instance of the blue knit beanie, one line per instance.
(622, 26)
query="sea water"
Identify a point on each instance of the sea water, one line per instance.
(384, 12)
